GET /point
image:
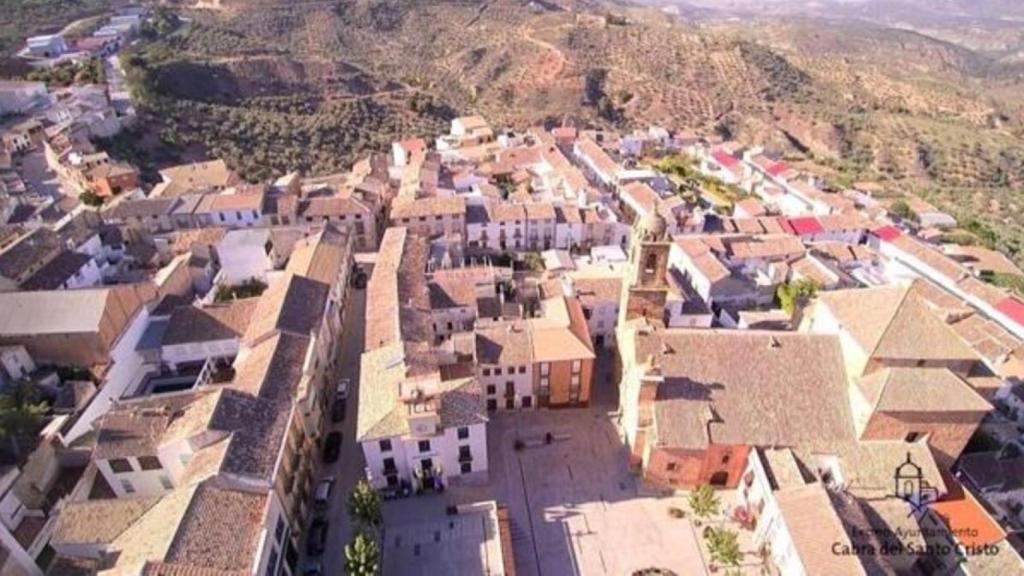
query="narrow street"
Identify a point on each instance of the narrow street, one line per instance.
(349, 467)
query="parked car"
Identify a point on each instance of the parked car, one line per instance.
(332, 447)
(313, 568)
(322, 494)
(338, 410)
(316, 541)
(359, 280)
(343, 386)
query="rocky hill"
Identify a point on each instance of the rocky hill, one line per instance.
(865, 99)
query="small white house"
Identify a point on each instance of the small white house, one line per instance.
(48, 46)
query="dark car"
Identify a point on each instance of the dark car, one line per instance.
(316, 542)
(332, 447)
(338, 410)
(359, 280)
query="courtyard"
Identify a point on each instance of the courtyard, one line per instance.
(574, 507)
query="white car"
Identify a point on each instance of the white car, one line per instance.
(322, 494)
(343, 386)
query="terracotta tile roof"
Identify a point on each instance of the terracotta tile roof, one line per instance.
(234, 200)
(429, 206)
(540, 211)
(920, 390)
(597, 291)
(505, 212)
(895, 322)
(142, 208)
(165, 569)
(751, 206)
(331, 206)
(200, 530)
(321, 257)
(968, 519)
(77, 523)
(748, 387)
(379, 414)
(562, 334)
(816, 530)
(766, 246)
(56, 272)
(398, 301)
(220, 530)
(292, 304)
(451, 292)
(569, 213)
(504, 344)
(139, 428)
(982, 259)
(214, 173)
(70, 311)
(224, 321)
(640, 195)
(27, 252)
(598, 156)
(151, 535)
(256, 406)
(185, 240)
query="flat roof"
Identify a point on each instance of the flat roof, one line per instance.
(467, 544)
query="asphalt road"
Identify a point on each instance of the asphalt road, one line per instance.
(349, 467)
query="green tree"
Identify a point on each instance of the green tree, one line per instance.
(723, 546)
(21, 411)
(793, 294)
(364, 506)
(704, 502)
(90, 199)
(903, 210)
(362, 556)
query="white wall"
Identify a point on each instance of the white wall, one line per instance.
(146, 483)
(245, 217)
(240, 263)
(175, 354)
(444, 453)
(523, 383)
(88, 275)
(126, 366)
(270, 545)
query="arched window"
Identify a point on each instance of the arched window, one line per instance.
(719, 478)
(652, 263)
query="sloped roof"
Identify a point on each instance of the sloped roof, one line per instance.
(78, 521)
(224, 321)
(748, 387)
(895, 322)
(256, 406)
(816, 530)
(57, 271)
(220, 529)
(320, 257)
(920, 390)
(292, 304)
(504, 344)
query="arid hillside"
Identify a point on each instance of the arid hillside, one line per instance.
(278, 85)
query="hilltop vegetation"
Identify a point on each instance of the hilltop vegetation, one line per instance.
(273, 86)
(23, 18)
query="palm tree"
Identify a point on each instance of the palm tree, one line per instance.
(362, 556)
(704, 502)
(364, 506)
(20, 412)
(723, 546)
